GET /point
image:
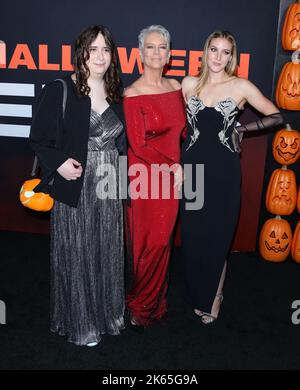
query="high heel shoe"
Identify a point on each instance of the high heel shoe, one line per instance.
(136, 327)
(208, 318)
(92, 344)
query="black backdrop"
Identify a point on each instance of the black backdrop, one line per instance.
(56, 23)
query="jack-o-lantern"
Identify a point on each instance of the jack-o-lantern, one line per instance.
(288, 86)
(291, 27)
(38, 201)
(286, 146)
(298, 201)
(295, 251)
(275, 239)
(281, 197)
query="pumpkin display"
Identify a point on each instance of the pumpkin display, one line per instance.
(286, 146)
(38, 201)
(295, 251)
(275, 239)
(288, 86)
(291, 27)
(281, 197)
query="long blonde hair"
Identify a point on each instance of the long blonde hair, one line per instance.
(230, 67)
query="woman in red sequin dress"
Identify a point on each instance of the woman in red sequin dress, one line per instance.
(155, 121)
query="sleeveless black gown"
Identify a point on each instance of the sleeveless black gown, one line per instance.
(207, 232)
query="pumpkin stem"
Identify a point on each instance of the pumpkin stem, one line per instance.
(296, 57)
(278, 217)
(288, 126)
(284, 167)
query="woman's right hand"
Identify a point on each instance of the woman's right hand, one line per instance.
(70, 169)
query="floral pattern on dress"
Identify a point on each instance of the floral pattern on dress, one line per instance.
(228, 109)
(194, 105)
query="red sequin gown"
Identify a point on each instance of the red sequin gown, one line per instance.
(155, 124)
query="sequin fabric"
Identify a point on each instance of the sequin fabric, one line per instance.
(87, 255)
(155, 125)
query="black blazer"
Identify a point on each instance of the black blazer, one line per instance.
(54, 140)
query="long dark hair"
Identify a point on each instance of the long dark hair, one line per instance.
(82, 55)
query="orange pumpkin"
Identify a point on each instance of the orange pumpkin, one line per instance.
(298, 201)
(35, 200)
(288, 86)
(286, 146)
(291, 28)
(275, 239)
(281, 197)
(295, 251)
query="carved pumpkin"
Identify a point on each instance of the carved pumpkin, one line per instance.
(275, 239)
(295, 251)
(286, 146)
(281, 197)
(298, 201)
(35, 200)
(291, 28)
(288, 86)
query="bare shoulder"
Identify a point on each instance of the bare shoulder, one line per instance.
(243, 83)
(189, 82)
(131, 90)
(255, 97)
(174, 83)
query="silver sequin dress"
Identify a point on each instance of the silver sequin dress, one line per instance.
(87, 252)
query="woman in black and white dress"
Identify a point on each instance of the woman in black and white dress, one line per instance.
(214, 99)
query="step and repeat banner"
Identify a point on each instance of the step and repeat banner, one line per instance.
(36, 39)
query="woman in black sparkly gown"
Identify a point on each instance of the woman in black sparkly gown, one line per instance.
(87, 255)
(214, 100)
